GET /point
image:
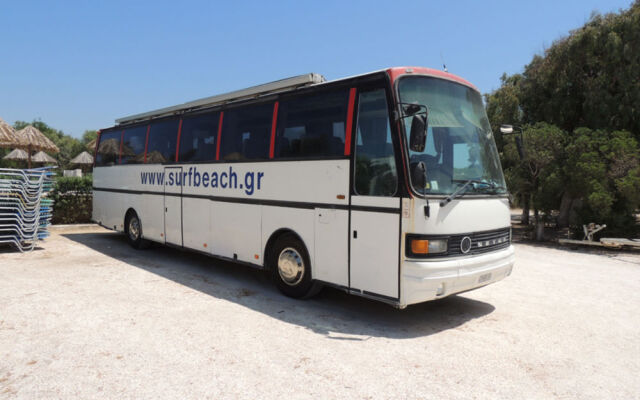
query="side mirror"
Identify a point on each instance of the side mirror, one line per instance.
(419, 175)
(506, 129)
(418, 136)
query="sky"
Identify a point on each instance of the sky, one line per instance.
(79, 65)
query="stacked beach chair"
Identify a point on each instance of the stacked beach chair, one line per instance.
(25, 211)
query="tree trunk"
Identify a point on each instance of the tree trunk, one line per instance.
(525, 209)
(539, 231)
(565, 210)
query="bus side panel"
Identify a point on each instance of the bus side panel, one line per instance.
(150, 209)
(196, 224)
(298, 220)
(331, 246)
(235, 229)
(108, 206)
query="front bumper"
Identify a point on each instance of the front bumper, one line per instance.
(434, 279)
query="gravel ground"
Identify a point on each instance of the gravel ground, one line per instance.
(86, 316)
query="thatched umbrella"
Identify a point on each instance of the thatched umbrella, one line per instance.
(16, 155)
(110, 147)
(30, 139)
(43, 158)
(7, 135)
(83, 158)
(91, 146)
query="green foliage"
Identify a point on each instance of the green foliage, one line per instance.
(88, 136)
(537, 173)
(72, 198)
(503, 106)
(603, 169)
(587, 79)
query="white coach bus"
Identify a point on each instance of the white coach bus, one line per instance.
(387, 185)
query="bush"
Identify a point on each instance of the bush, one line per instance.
(73, 200)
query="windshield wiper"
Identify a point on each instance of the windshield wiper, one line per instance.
(461, 190)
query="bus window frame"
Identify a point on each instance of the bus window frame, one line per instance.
(356, 118)
(378, 80)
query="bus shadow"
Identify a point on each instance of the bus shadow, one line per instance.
(333, 313)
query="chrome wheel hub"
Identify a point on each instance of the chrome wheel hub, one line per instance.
(290, 266)
(134, 228)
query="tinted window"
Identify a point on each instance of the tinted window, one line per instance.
(198, 138)
(108, 148)
(375, 164)
(133, 145)
(246, 132)
(312, 126)
(163, 136)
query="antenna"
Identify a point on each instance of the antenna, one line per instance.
(444, 66)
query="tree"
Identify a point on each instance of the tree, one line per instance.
(587, 85)
(589, 78)
(527, 176)
(88, 136)
(503, 106)
(602, 172)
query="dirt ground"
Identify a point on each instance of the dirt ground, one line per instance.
(86, 316)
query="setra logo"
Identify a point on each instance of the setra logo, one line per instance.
(465, 244)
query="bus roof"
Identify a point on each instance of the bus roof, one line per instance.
(282, 85)
(242, 94)
(396, 72)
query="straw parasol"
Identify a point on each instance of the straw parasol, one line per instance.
(109, 147)
(7, 135)
(30, 139)
(43, 158)
(91, 146)
(154, 157)
(16, 155)
(83, 158)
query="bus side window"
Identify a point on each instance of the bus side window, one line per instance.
(163, 136)
(198, 137)
(133, 145)
(246, 132)
(375, 163)
(312, 125)
(108, 148)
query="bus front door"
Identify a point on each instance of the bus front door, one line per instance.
(375, 207)
(173, 205)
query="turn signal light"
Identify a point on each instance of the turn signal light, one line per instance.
(420, 246)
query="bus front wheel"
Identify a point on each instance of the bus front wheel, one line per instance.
(291, 269)
(133, 231)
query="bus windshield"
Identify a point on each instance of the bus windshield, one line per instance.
(460, 146)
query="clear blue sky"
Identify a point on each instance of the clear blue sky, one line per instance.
(79, 65)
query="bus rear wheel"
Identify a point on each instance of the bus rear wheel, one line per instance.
(291, 268)
(133, 231)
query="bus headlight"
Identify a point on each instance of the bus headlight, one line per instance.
(417, 247)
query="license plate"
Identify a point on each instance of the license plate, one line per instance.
(484, 277)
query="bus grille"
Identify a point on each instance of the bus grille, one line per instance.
(481, 242)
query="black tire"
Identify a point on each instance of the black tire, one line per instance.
(133, 231)
(291, 269)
